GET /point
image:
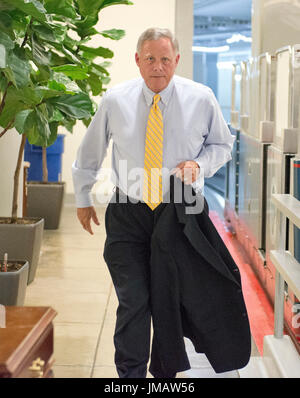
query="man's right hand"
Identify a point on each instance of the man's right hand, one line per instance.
(85, 214)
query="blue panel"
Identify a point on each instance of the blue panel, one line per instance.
(33, 154)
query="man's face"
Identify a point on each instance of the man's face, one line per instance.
(157, 62)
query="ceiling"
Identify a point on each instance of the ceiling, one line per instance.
(215, 21)
(224, 8)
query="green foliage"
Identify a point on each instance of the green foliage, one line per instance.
(48, 71)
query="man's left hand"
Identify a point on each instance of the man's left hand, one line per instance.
(187, 171)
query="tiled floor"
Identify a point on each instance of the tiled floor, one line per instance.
(72, 277)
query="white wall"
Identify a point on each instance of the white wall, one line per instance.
(134, 20)
(9, 149)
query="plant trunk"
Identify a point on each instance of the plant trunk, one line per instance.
(7, 128)
(45, 168)
(16, 181)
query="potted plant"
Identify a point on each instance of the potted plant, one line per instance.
(46, 78)
(44, 197)
(13, 281)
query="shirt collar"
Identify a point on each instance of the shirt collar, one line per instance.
(165, 95)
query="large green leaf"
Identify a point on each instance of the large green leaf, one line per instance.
(114, 34)
(85, 27)
(70, 55)
(61, 82)
(44, 32)
(29, 7)
(86, 32)
(23, 99)
(57, 116)
(54, 85)
(48, 92)
(42, 75)
(87, 122)
(11, 108)
(99, 69)
(60, 31)
(57, 60)
(6, 23)
(91, 53)
(30, 96)
(70, 43)
(69, 124)
(20, 120)
(105, 64)
(18, 68)
(76, 72)
(44, 141)
(94, 6)
(60, 7)
(83, 85)
(6, 41)
(3, 83)
(4, 5)
(51, 33)
(2, 56)
(95, 83)
(20, 23)
(100, 72)
(53, 126)
(39, 53)
(36, 127)
(77, 106)
(54, 114)
(90, 7)
(105, 79)
(107, 3)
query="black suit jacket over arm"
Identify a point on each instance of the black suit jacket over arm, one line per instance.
(195, 292)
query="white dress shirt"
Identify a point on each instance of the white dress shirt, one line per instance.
(194, 129)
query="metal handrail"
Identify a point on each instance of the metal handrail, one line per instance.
(287, 267)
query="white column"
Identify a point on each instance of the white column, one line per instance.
(257, 11)
(184, 31)
(9, 149)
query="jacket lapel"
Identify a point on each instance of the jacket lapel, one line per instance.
(200, 243)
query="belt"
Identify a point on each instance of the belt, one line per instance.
(119, 193)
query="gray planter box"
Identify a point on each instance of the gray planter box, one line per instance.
(45, 200)
(13, 285)
(22, 241)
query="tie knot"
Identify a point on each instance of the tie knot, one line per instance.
(156, 99)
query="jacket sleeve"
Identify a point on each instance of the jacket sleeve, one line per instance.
(90, 156)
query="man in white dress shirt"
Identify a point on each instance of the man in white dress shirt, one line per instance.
(196, 143)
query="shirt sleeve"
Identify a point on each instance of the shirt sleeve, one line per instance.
(90, 156)
(218, 143)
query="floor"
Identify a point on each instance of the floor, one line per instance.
(72, 277)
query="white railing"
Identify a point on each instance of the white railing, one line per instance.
(287, 267)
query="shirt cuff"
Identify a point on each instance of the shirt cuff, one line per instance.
(199, 183)
(84, 199)
(203, 163)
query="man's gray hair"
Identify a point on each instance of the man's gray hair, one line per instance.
(155, 34)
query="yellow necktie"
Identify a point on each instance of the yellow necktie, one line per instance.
(152, 190)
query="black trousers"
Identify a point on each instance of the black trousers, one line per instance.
(129, 228)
